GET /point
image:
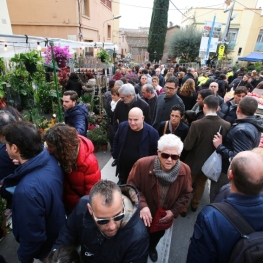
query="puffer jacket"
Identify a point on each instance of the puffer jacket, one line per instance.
(79, 182)
(130, 244)
(77, 117)
(228, 111)
(244, 136)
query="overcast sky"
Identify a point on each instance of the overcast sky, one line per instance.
(138, 13)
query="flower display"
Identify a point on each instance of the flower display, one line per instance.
(60, 53)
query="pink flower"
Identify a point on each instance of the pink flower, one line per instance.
(60, 53)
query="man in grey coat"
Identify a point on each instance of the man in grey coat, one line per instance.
(166, 101)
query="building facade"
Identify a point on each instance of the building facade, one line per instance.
(245, 33)
(5, 24)
(85, 20)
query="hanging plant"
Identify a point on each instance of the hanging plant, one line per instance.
(104, 56)
(60, 54)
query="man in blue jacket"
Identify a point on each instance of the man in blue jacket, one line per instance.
(107, 226)
(37, 188)
(133, 140)
(76, 113)
(214, 236)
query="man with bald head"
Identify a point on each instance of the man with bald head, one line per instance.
(214, 236)
(214, 87)
(134, 139)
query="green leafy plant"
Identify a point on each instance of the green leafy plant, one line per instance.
(104, 56)
(2, 65)
(98, 136)
(31, 57)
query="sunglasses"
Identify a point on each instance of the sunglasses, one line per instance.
(173, 156)
(105, 221)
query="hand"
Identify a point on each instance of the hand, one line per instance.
(146, 216)
(217, 140)
(169, 216)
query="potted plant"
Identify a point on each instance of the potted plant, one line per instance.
(61, 55)
(2, 65)
(104, 56)
(98, 136)
(30, 59)
(4, 228)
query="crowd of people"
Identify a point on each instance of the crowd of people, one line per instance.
(163, 125)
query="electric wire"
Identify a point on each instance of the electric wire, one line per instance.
(248, 8)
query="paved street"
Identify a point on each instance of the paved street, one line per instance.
(173, 246)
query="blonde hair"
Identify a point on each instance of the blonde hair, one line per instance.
(155, 78)
(168, 75)
(180, 75)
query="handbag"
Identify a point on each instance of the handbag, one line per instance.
(165, 127)
(160, 213)
(213, 166)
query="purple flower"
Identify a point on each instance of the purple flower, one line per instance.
(60, 53)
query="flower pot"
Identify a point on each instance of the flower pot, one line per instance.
(31, 67)
(104, 147)
(96, 149)
(102, 59)
(61, 63)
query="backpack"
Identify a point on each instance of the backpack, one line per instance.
(249, 248)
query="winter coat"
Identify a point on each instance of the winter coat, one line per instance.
(244, 136)
(79, 182)
(7, 167)
(163, 108)
(228, 111)
(74, 84)
(214, 236)
(130, 244)
(189, 101)
(143, 178)
(148, 144)
(77, 117)
(38, 211)
(188, 76)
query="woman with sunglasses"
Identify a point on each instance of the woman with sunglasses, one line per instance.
(163, 182)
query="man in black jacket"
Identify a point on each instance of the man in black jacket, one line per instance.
(228, 109)
(107, 225)
(244, 136)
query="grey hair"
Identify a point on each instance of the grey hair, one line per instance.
(118, 83)
(5, 118)
(170, 140)
(127, 89)
(105, 189)
(149, 88)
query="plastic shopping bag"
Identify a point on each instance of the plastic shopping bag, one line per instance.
(213, 166)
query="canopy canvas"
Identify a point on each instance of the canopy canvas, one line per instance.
(23, 43)
(253, 57)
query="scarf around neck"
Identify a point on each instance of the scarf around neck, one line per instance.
(166, 178)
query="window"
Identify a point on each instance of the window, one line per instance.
(109, 31)
(232, 37)
(259, 43)
(85, 7)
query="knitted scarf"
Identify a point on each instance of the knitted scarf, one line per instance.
(166, 178)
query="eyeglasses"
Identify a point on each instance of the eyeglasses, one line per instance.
(169, 88)
(173, 156)
(213, 86)
(105, 221)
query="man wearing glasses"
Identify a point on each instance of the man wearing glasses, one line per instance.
(166, 101)
(107, 226)
(163, 181)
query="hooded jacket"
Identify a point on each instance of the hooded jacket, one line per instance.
(130, 244)
(38, 211)
(77, 117)
(79, 182)
(228, 111)
(244, 136)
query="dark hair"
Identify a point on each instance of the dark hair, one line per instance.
(248, 106)
(190, 115)
(73, 76)
(205, 92)
(5, 118)
(212, 102)
(145, 71)
(178, 108)
(222, 76)
(73, 94)
(106, 189)
(66, 142)
(65, 254)
(124, 80)
(111, 84)
(240, 89)
(242, 177)
(173, 80)
(18, 116)
(25, 136)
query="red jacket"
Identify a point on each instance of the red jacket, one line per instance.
(79, 182)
